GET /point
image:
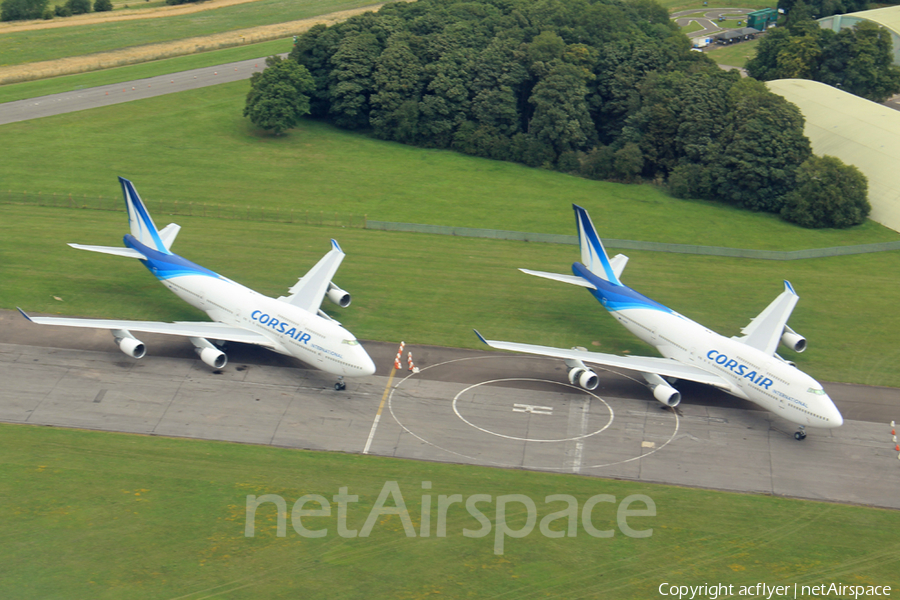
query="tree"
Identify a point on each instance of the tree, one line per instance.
(828, 194)
(78, 7)
(17, 10)
(858, 60)
(279, 95)
(102, 5)
(350, 80)
(819, 9)
(561, 119)
(398, 84)
(760, 150)
(870, 71)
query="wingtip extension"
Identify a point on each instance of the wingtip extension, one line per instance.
(481, 337)
(22, 312)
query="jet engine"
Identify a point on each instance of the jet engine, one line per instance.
(662, 391)
(793, 340)
(581, 376)
(129, 344)
(667, 395)
(338, 296)
(208, 353)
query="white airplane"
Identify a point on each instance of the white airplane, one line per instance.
(294, 325)
(746, 366)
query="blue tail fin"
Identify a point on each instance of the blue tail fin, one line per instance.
(142, 226)
(593, 255)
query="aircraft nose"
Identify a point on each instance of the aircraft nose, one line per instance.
(365, 361)
(835, 419)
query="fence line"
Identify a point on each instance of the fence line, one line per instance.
(191, 209)
(552, 238)
(321, 218)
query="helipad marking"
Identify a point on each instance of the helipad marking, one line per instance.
(483, 460)
(535, 410)
(521, 439)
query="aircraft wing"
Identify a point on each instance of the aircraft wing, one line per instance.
(310, 290)
(645, 364)
(202, 329)
(766, 329)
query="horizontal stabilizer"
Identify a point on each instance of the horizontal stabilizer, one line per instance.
(127, 252)
(572, 279)
(618, 263)
(168, 234)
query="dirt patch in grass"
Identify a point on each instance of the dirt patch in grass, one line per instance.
(139, 54)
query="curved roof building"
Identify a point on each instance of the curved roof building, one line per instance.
(857, 131)
(889, 18)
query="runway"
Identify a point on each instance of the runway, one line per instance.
(463, 406)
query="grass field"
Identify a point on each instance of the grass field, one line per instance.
(49, 44)
(68, 83)
(679, 5)
(735, 55)
(100, 515)
(408, 286)
(196, 147)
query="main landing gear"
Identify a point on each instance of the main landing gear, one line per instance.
(800, 435)
(340, 385)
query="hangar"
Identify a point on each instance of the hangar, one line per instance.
(857, 131)
(888, 17)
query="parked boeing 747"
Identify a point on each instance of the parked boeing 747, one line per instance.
(294, 325)
(746, 366)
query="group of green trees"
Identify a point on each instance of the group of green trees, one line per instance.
(605, 89)
(819, 9)
(19, 10)
(857, 60)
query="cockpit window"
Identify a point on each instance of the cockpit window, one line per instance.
(816, 392)
(350, 342)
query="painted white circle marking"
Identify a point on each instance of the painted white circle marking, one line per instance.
(521, 439)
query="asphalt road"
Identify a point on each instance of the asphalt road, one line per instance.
(709, 21)
(45, 106)
(463, 406)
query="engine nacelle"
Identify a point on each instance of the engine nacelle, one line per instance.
(212, 356)
(129, 344)
(338, 296)
(667, 395)
(584, 377)
(208, 353)
(580, 375)
(793, 340)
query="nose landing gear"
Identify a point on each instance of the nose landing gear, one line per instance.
(340, 385)
(800, 435)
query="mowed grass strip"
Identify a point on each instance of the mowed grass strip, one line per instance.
(734, 55)
(104, 515)
(50, 44)
(197, 147)
(69, 83)
(429, 289)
